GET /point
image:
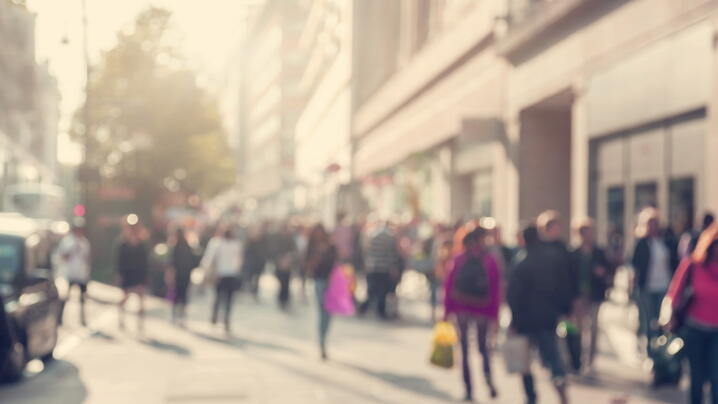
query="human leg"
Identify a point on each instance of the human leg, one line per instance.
(462, 324)
(483, 326)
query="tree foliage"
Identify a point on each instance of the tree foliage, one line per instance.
(150, 119)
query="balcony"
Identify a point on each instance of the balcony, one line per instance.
(527, 20)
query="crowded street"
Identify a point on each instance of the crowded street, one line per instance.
(271, 358)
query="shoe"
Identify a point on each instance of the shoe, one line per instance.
(492, 391)
(468, 398)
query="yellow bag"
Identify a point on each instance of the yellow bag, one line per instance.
(442, 353)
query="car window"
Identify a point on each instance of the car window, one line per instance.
(10, 258)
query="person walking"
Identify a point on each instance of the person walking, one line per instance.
(321, 256)
(472, 296)
(538, 298)
(655, 258)
(132, 268)
(255, 259)
(699, 272)
(593, 274)
(74, 253)
(182, 261)
(222, 261)
(284, 256)
(383, 261)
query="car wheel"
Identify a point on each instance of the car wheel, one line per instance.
(17, 358)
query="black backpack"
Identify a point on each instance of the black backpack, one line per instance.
(471, 283)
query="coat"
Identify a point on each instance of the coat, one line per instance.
(599, 285)
(641, 260)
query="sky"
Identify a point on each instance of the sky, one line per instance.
(210, 32)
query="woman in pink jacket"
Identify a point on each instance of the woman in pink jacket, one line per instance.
(701, 316)
(471, 297)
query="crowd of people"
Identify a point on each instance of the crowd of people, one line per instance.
(545, 283)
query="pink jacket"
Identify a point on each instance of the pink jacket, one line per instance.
(703, 308)
(491, 308)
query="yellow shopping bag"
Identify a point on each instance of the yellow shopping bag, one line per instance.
(442, 353)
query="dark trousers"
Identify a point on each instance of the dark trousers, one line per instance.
(464, 323)
(702, 352)
(284, 278)
(378, 287)
(83, 294)
(547, 344)
(225, 288)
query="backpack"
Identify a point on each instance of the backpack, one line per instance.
(471, 284)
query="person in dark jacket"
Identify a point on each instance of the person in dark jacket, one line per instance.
(284, 256)
(383, 265)
(593, 276)
(535, 298)
(319, 262)
(183, 260)
(132, 267)
(255, 259)
(557, 258)
(655, 258)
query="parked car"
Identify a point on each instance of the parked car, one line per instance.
(31, 304)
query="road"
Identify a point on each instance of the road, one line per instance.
(272, 358)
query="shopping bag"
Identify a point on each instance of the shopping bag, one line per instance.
(338, 297)
(517, 354)
(442, 353)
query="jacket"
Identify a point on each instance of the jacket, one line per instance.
(540, 290)
(491, 308)
(641, 260)
(598, 285)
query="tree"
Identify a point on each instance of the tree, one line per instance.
(149, 117)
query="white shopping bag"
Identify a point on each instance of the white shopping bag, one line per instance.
(517, 354)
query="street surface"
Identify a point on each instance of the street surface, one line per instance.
(272, 358)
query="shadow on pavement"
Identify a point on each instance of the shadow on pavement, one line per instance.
(166, 346)
(415, 384)
(633, 388)
(241, 342)
(59, 383)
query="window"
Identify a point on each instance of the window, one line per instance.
(681, 200)
(482, 195)
(646, 195)
(616, 203)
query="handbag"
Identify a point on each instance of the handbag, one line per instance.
(516, 351)
(442, 351)
(338, 298)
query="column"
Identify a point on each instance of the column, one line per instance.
(711, 150)
(579, 153)
(511, 192)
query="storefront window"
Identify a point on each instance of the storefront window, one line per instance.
(646, 195)
(482, 196)
(681, 204)
(616, 202)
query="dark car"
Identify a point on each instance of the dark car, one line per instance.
(31, 304)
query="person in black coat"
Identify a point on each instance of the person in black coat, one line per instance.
(593, 276)
(183, 260)
(255, 259)
(538, 298)
(655, 259)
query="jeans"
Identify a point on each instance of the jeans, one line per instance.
(378, 284)
(702, 352)
(223, 297)
(586, 318)
(547, 344)
(464, 322)
(649, 309)
(320, 289)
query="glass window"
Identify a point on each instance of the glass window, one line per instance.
(482, 197)
(681, 201)
(10, 258)
(616, 203)
(646, 195)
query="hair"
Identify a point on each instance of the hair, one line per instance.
(708, 220)
(547, 219)
(644, 217)
(703, 253)
(474, 235)
(583, 223)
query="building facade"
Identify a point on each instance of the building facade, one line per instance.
(28, 103)
(590, 107)
(270, 106)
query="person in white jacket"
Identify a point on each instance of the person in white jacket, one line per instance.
(222, 262)
(74, 254)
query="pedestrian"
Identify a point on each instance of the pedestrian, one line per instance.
(183, 260)
(593, 274)
(537, 297)
(700, 273)
(383, 263)
(689, 239)
(222, 261)
(74, 252)
(255, 259)
(321, 257)
(655, 258)
(285, 258)
(472, 296)
(343, 239)
(133, 267)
